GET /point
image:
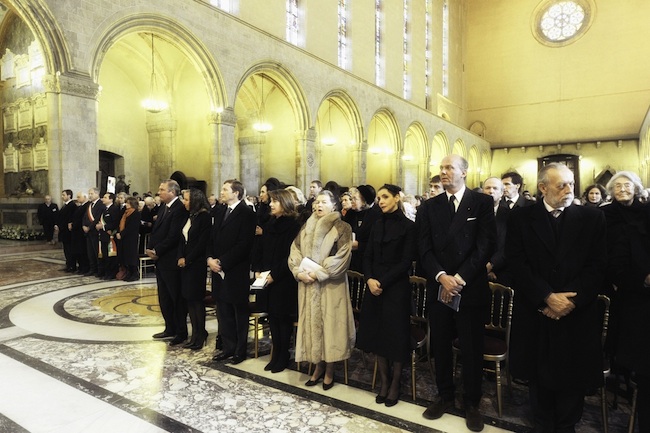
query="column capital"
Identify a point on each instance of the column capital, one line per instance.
(226, 117)
(69, 84)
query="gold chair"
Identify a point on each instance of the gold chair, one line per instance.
(256, 316)
(497, 337)
(419, 328)
(145, 261)
(605, 301)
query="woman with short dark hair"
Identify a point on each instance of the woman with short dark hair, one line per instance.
(127, 239)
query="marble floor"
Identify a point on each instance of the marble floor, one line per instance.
(76, 355)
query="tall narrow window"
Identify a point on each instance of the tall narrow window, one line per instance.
(292, 21)
(445, 48)
(379, 69)
(343, 33)
(221, 4)
(427, 55)
(406, 52)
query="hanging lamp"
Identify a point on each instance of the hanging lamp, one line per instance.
(154, 103)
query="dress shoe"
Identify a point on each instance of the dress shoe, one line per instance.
(237, 359)
(198, 345)
(279, 366)
(473, 418)
(130, 278)
(163, 336)
(222, 357)
(71, 270)
(64, 269)
(177, 340)
(269, 366)
(391, 402)
(380, 399)
(313, 382)
(328, 386)
(219, 345)
(89, 274)
(438, 408)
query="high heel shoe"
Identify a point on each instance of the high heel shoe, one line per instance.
(390, 402)
(327, 386)
(311, 382)
(380, 399)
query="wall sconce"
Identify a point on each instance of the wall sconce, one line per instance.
(155, 102)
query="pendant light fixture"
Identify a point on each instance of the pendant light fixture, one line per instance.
(329, 140)
(155, 103)
(262, 126)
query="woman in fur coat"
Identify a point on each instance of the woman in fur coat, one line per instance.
(319, 259)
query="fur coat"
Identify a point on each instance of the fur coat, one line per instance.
(326, 329)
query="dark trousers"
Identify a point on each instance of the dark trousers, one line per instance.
(643, 402)
(92, 249)
(172, 304)
(70, 262)
(469, 325)
(281, 330)
(233, 327)
(107, 265)
(555, 410)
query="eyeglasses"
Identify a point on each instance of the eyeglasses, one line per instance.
(626, 186)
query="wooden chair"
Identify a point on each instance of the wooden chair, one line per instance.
(630, 427)
(605, 302)
(145, 261)
(419, 329)
(497, 337)
(257, 316)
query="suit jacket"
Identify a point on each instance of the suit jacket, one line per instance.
(231, 242)
(521, 202)
(65, 217)
(498, 258)
(92, 216)
(193, 250)
(565, 352)
(166, 233)
(47, 215)
(460, 245)
(110, 218)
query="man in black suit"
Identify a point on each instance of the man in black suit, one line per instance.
(108, 222)
(163, 246)
(496, 267)
(64, 225)
(92, 216)
(557, 253)
(48, 214)
(229, 259)
(512, 183)
(457, 238)
(79, 248)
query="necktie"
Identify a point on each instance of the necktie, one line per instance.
(556, 212)
(452, 206)
(228, 210)
(509, 203)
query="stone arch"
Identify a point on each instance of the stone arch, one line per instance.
(175, 34)
(474, 170)
(459, 148)
(384, 148)
(439, 149)
(414, 159)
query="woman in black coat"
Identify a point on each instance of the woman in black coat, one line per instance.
(361, 218)
(192, 261)
(628, 244)
(384, 327)
(271, 254)
(127, 238)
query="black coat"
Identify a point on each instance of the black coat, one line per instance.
(498, 260)
(166, 233)
(92, 216)
(361, 223)
(78, 236)
(110, 218)
(567, 352)
(384, 327)
(48, 215)
(65, 217)
(231, 242)
(127, 245)
(194, 274)
(628, 241)
(271, 254)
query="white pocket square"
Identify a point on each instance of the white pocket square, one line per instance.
(471, 218)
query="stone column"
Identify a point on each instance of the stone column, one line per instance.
(307, 159)
(250, 157)
(73, 154)
(162, 147)
(359, 159)
(223, 162)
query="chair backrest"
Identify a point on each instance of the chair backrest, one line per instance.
(357, 287)
(501, 303)
(605, 302)
(419, 297)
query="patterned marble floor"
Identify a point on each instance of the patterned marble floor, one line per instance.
(76, 356)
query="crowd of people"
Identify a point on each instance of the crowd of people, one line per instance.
(556, 252)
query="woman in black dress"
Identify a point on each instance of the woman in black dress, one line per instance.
(127, 238)
(628, 244)
(384, 327)
(271, 254)
(192, 261)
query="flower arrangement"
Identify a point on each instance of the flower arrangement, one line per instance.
(20, 234)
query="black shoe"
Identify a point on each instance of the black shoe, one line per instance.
(162, 336)
(89, 274)
(328, 386)
(473, 419)
(438, 408)
(269, 366)
(313, 382)
(130, 278)
(390, 402)
(178, 340)
(237, 359)
(71, 270)
(219, 343)
(380, 399)
(222, 357)
(64, 269)
(279, 366)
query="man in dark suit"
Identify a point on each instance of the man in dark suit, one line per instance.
(496, 267)
(557, 253)
(64, 225)
(229, 259)
(108, 222)
(92, 216)
(162, 248)
(457, 238)
(79, 248)
(512, 183)
(47, 213)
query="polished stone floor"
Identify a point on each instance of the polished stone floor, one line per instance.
(76, 356)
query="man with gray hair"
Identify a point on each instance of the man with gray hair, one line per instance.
(557, 256)
(496, 267)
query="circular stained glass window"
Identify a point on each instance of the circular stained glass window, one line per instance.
(560, 22)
